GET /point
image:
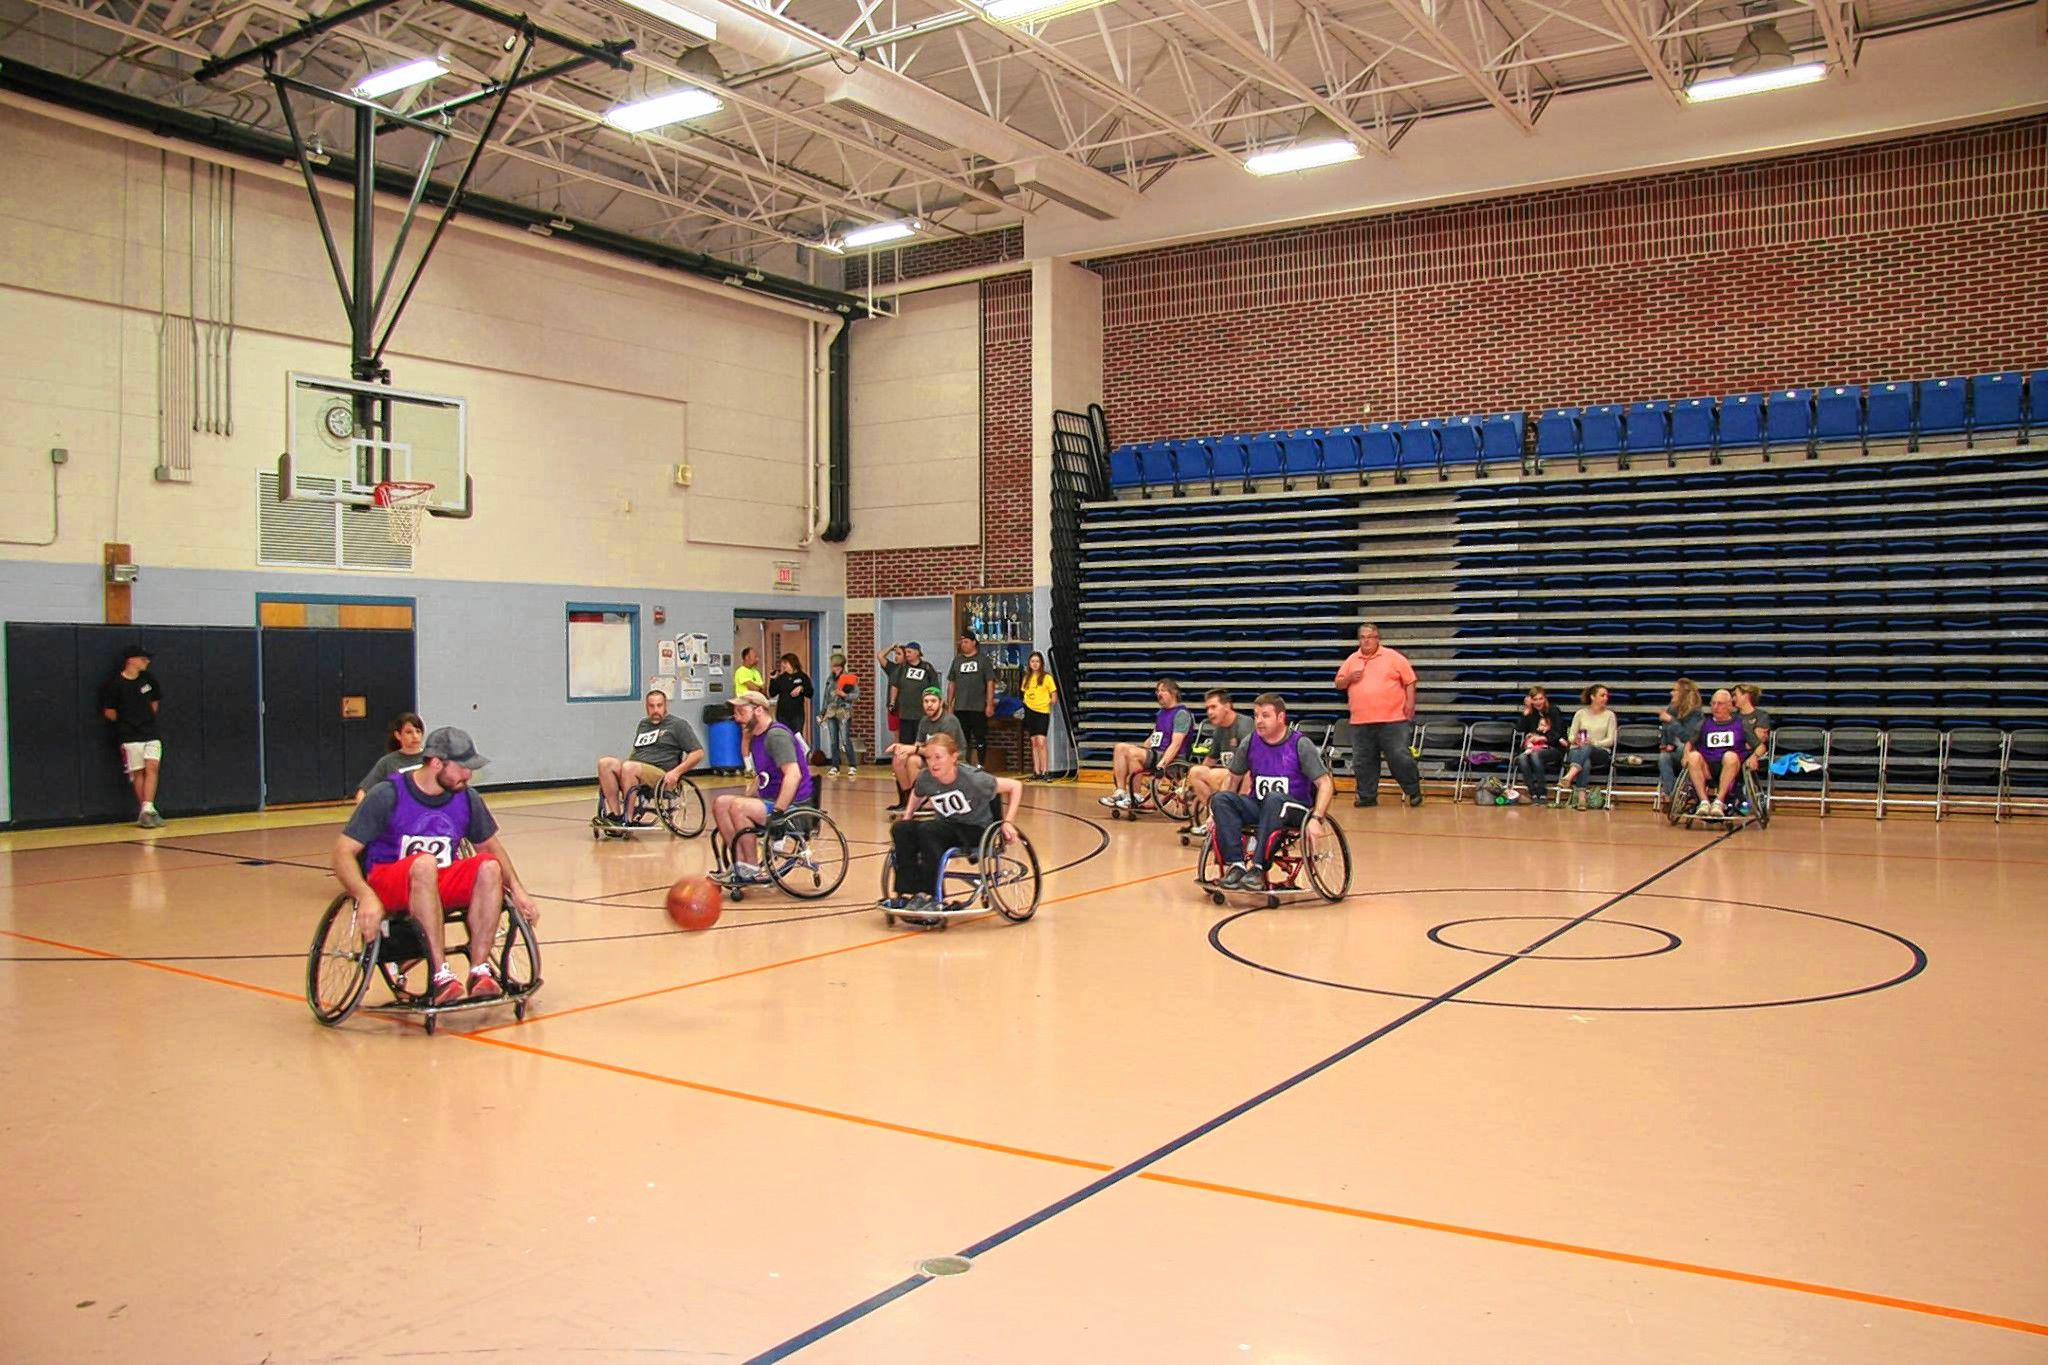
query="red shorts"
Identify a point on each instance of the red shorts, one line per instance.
(393, 881)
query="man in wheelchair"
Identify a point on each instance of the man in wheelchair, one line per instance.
(965, 801)
(1172, 734)
(783, 783)
(1721, 746)
(664, 748)
(397, 855)
(1279, 781)
(906, 757)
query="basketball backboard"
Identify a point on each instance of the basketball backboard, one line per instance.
(347, 437)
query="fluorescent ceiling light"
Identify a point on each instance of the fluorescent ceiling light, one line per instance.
(1029, 11)
(877, 233)
(673, 107)
(1756, 82)
(1302, 156)
(704, 28)
(381, 83)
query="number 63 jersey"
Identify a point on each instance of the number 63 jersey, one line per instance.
(397, 820)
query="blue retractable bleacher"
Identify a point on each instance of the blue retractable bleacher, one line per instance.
(1381, 446)
(1500, 439)
(1301, 453)
(1419, 444)
(1263, 458)
(1123, 468)
(1557, 434)
(1458, 441)
(1995, 403)
(1694, 424)
(1227, 466)
(1156, 467)
(1888, 413)
(1343, 451)
(1599, 432)
(1646, 429)
(1943, 408)
(1788, 419)
(1195, 462)
(1838, 414)
(1741, 425)
(2034, 415)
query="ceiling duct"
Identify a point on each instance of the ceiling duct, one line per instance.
(849, 107)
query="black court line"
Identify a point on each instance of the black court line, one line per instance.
(811, 1336)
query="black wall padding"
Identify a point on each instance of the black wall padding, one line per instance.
(310, 752)
(62, 764)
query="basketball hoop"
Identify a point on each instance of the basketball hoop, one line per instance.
(405, 509)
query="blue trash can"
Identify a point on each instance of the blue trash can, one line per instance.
(725, 746)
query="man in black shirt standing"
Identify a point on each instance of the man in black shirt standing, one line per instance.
(969, 696)
(130, 700)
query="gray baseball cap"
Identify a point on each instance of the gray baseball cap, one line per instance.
(455, 746)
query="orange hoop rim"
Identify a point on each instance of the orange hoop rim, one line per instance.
(399, 492)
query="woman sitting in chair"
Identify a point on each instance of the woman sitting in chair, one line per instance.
(965, 801)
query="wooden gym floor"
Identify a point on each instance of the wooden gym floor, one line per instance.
(1770, 1097)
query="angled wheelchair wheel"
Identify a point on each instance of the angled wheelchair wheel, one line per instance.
(1328, 858)
(339, 965)
(1208, 870)
(814, 863)
(516, 955)
(1679, 805)
(1010, 880)
(1759, 803)
(1172, 795)
(681, 808)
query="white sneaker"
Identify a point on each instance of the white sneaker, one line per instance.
(1200, 829)
(1113, 799)
(1715, 811)
(1705, 807)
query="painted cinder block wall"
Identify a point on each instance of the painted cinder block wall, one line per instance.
(1904, 259)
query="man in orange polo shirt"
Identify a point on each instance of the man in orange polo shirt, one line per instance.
(1380, 685)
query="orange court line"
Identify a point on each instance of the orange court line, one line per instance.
(692, 985)
(794, 1106)
(153, 966)
(1188, 871)
(1624, 1257)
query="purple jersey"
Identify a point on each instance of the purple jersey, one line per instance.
(415, 827)
(1162, 730)
(768, 773)
(1276, 768)
(1717, 737)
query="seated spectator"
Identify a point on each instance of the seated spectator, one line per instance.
(408, 737)
(1677, 723)
(1539, 741)
(1594, 732)
(1747, 699)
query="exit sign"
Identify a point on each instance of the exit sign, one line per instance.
(785, 575)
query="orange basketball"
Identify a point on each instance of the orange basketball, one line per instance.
(694, 903)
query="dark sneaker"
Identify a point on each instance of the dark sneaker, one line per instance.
(445, 989)
(891, 902)
(1237, 878)
(1416, 799)
(483, 983)
(1365, 801)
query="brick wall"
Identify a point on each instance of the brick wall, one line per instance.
(860, 659)
(1005, 483)
(1917, 257)
(936, 257)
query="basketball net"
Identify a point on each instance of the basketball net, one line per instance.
(405, 509)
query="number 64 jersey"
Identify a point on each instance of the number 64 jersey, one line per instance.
(397, 820)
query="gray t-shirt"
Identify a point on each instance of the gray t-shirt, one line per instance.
(1757, 720)
(1312, 765)
(946, 724)
(397, 761)
(970, 682)
(662, 744)
(911, 680)
(969, 798)
(1217, 745)
(374, 811)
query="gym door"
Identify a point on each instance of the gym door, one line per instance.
(328, 699)
(776, 636)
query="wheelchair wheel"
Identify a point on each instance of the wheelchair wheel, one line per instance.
(1679, 805)
(1759, 804)
(1329, 860)
(681, 808)
(815, 866)
(1010, 879)
(1170, 792)
(516, 955)
(1207, 870)
(339, 965)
